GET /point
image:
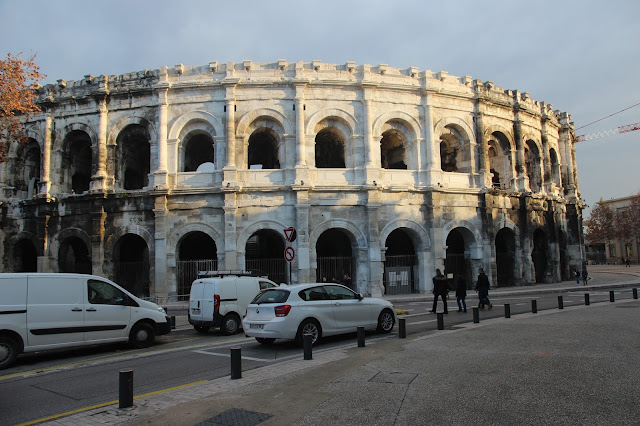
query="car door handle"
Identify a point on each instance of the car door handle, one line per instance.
(76, 310)
(91, 310)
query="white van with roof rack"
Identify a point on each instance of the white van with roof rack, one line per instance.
(220, 298)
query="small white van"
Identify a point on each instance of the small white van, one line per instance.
(220, 299)
(40, 311)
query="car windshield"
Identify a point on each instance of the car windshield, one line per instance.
(274, 295)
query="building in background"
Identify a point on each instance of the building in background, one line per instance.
(619, 248)
(386, 174)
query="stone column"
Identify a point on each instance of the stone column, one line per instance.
(483, 154)
(161, 282)
(160, 175)
(301, 152)
(98, 219)
(98, 180)
(369, 143)
(522, 180)
(376, 262)
(548, 177)
(230, 178)
(230, 233)
(44, 187)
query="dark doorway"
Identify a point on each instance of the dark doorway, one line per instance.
(539, 256)
(505, 251)
(329, 149)
(25, 257)
(196, 252)
(135, 157)
(400, 264)
(74, 256)
(264, 252)
(456, 263)
(335, 258)
(263, 150)
(131, 259)
(198, 150)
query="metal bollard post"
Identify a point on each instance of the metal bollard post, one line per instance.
(476, 315)
(560, 303)
(635, 293)
(236, 363)
(360, 336)
(507, 310)
(534, 306)
(307, 344)
(402, 328)
(172, 318)
(586, 299)
(126, 388)
(612, 298)
(440, 316)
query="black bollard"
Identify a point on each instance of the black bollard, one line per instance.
(361, 337)
(236, 363)
(612, 298)
(534, 306)
(635, 293)
(440, 316)
(507, 310)
(402, 328)
(560, 303)
(126, 388)
(307, 344)
(476, 315)
(586, 299)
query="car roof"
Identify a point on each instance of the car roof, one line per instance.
(302, 286)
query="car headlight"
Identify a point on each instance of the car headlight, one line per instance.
(161, 309)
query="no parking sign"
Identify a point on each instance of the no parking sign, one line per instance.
(289, 254)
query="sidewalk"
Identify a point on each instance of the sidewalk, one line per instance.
(575, 366)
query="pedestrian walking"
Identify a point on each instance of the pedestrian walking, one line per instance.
(585, 275)
(440, 286)
(628, 263)
(482, 287)
(576, 273)
(461, 294)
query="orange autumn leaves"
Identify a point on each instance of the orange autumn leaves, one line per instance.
(18, 83)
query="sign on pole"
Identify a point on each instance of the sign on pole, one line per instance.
(289, 254)
(290, 234)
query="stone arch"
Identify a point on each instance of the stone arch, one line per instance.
(13, 242)
(457, 147)
(353, 231)
(247, 122)
(473, 237)
(127, 121)
(72, 127)
(341, 116)
(412, 125)
(422, 241)
(141, 232)
(66, 233)
(533, 162)
(31, 133)
(200, 120)
(501, 155)
(247, 232)
(178, 233)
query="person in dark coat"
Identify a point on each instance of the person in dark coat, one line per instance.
(482, 287)
(440, 286)
(461, 294)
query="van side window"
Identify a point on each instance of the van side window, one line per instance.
(265, 285)
(101, 293)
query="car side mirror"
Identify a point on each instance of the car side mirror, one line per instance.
(360, 297)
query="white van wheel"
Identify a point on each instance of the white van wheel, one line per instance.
(230, 324)
(8, 351)
(142, 335)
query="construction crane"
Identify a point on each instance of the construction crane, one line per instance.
(611, 132)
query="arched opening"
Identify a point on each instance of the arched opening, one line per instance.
(74, 256)
(25, 257)
(76, 162)
(499, 153)
(131, 260)
(335, 258)
(196, 252)
(264, 252)
(505, 262)
(198, 150)
(457, 260)
(330, 145)
(25, 170)
(392, 150)
(555, 167)
(455, 155)
(532, 165)
(400, 264)
(263, 150)
(540, 256)
(135, 157)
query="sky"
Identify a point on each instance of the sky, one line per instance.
(583, 57)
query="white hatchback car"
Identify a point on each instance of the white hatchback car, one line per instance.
(318, 309)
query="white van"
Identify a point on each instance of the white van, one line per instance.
(40, 311)
(220, 299)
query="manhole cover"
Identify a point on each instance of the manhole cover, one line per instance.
(236, 417)
(393, 377)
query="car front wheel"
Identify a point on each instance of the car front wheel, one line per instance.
(309, 327)
(142, 335)
(386, 321)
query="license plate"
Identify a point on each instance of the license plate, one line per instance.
(195, 311)
(260, 326)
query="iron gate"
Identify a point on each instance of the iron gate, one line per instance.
(399, 274)
(333, 269)
(187, 271)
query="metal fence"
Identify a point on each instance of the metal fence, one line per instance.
(187, 271)
(274, 268)
(399, 274)
(134, 276)
(334, 268)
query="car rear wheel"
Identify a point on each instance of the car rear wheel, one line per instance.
(230, 324)
(309, 327)
(142, 335)
(386, 321)
(265, 341)
(8, 351)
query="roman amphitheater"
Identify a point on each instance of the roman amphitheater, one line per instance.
(384, 173)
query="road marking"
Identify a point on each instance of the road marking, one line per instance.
(104, 404)
(420, 322)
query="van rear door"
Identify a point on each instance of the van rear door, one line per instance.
(55, 311)
(197, 305)
(107, 312)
